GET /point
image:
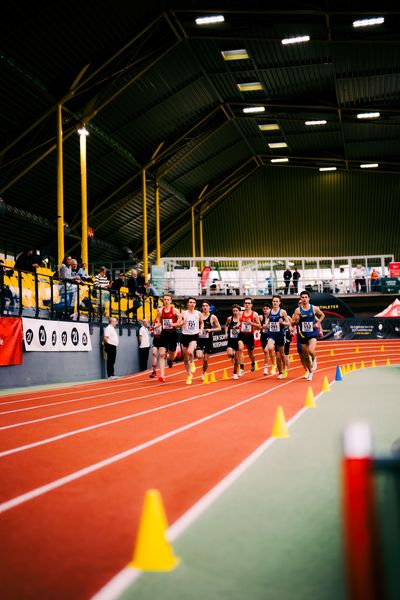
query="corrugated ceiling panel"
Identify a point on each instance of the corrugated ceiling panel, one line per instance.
(313, 214)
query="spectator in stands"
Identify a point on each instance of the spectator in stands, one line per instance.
(26, 261)
(374, 280)
(141, 284)
(132, 283)
(116, 286)
(101, 283)
(296, 277)
(83, 273)
(5, 291)
(144, 345)
(359, 278)
(75, 271)
(287, 276)
(68, 283)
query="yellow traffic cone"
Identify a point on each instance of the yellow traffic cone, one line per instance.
(256, 367)
(205, 378)
(357, 350)
(310, 400)
(362, 365)
(388, 362)
(291, 359)
(348, 368)
(353, 367)
(325, 385)
(332, 353)
(279, 429)
(212, 378)
(382, 348)
(188, 380)
(152, 550)
(373, 364)
(225, 375)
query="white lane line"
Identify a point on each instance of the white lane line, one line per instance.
(127, 417)
(127, 576)
(44, 489)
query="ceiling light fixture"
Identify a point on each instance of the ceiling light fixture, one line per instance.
(235, 54)
(327, 169)
(250, 87)
(369, 22)
(295, 40)
(210, 19)
(83, 131)
(254, 109)
(322, 122)
(268, 126)
(279, 160)
(371, 115)
(278, 145)
(369, 166)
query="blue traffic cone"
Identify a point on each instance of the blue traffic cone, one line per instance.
(338, 376)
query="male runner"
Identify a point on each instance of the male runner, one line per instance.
(232, 326)
(308, 319)
(249, 321)
(155, 332)
(192, 325)
(205, 339)
(277, 321)
(170, 319)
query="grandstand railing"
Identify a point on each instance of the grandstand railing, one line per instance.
(41, 295)
(264, 275)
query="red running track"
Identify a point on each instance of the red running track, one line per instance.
(75, 462)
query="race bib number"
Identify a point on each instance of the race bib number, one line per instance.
(167, 324)
(307, 327)
(274, 327)
(265, 328)
(233, 333)
(246, 327)
(191, 325)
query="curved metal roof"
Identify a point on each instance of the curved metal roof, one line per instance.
(154, 91)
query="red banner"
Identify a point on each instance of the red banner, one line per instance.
(10, 341)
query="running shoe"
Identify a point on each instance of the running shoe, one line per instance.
(253, 366)
(188, 380)
(305, 376)
(280, 376)
(192, 367)
(169, 363)
(265, 370)
(235, 376)
(153, 374)
(161, 379)
(314, 364)
(284, 374)
(241, 372)
(310, 375)
(273, 370)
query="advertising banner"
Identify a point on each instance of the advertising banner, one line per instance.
(10, 341)
(56, 336)
(361, 329)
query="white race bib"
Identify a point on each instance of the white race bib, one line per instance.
(307, 326)
(274, 327)
(167, 324)
(246, 327)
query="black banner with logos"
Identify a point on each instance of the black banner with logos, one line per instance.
(361, 329)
